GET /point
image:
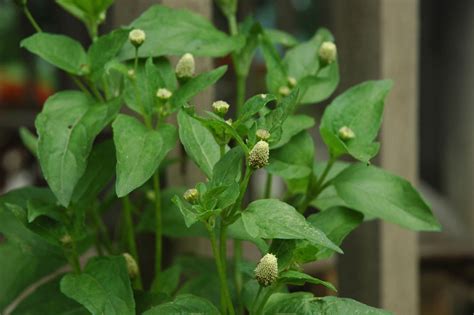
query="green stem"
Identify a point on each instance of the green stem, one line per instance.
(232, 21)
(268, 186)
(241, 87)
(158, 226)
(243, 188)
(237, 274)
(96, 92)
(31, 19)
(101, 229)
(135, 63)
(226, 301)
(255, 301)
(74, 257)
(80, 85)
(267, 295)
(130, 235)
(222, 150)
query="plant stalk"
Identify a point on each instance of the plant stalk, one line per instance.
(130, 234)
(31, 19)
(268, 186)
(158, 226)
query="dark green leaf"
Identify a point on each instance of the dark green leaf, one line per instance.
(280, 37)
(196, 85)
(59, 50)
(104, 49)
(168, 280)
(294, 159)
(189, 215)
(48, 299)
(271, 218)
(306, 304)
(185, 304)
(237, 231)
(67, 127)
(298, 278)
(139, 153)
(359, 108)
(274, 119)
(276, 76)
(228, 169)
(30, 141)
(292, 126)
(145, 300)
(251, 31)
(198, 142)
(37, 208)
(88, 11)
(253, 105)
(176, 32)
(336, 223)
(317, 88)
(377, 193)
(103, 287)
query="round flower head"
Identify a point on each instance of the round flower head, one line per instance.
(266, 272)
(262, 134)
(292, 81)
(191, 195)
(136, 37)
(328, 52)
(185, 67)
(163, 94)
(258, 156)
(220, 107)
(132, 266)
(346, 133)
(284, 90)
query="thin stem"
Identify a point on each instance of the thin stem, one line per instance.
(31, 19)
(243, 188)
(158, 226)
(241, 87)
(237, 274)
(135, 64)
(232, 21)
(226, 301)
(254, 304)
(101, 229)
(267, 295)
(222, 150)
(80, 85)
(130, 234)
(96, 92)
(268, 186)
(76, 265)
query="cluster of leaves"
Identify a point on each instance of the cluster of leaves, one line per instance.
(48, 227)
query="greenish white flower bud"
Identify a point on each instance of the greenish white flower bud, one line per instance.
(229, 121)
(258, 156)
(185, 67)
(191, 195)
(263, 96)
(346, 133)
(132, 267)
(328, 52)
(164, 94)
(292, 81)
(220, 107)
(262, 134)
(66, 240)
(266, 272)
(131, 74)
(284, 90)
(136, 37)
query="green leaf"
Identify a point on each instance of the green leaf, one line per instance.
(189, 215)
(299, 278)
(48, 299)
(359, 108)
(279, 37)
(67, 127)
(305, 303)
(165, 75)
(37, 208)
(317, 88)
(294, 159)
(253, 105)
(185, 304)
(88, 11)
(100, 170)
(251, 31)
(292, 126)
(145, 300)
(168, 280)
(103, 287)
(139, 153)
(377, 193)
(30, 141)
(271, 218)
(198, 142)
(104, 49)
(59, 50)
(195, 85)
(237, 231)
(276, 76)
(228, 169)
(336, 223)
(176, 32)
(274, 119)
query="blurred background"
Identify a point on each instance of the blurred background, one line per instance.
(426, 46)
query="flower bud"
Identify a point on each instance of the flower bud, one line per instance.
(131, 74)
(229, 121)
(292, 81)
(284, 90)
(262, 134)
(136, 37)
(164, 94)
(191, 195)
(185, 67)
(66, 240)
(328, 52)
(132, 267)
(220, 108)
(346, 133)
(266, 271)
(263, 96)
(258, 156)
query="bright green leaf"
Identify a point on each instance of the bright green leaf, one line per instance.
(292, 126)
(67, 127)
(30, 141)
(299, 278)
(59, 50)
(185, 304)
(253, 105)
